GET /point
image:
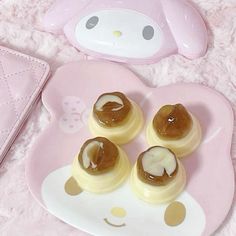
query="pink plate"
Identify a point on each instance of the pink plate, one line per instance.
(69, 97)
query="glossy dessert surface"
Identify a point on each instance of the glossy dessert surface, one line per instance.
(101, 166)
(158, 176)
(125, 131)
(98, 156)
(158, 195)
(112, 109)
(175, 128)
(157, 166)
(172, 122)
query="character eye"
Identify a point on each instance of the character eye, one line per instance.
(92, 22)
(148, 32)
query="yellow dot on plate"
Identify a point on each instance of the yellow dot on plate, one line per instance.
(118, 212)
(117, 33)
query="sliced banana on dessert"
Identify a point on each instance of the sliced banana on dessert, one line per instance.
(100, 166)
(116, 117)
(175, 128)
(158, 176)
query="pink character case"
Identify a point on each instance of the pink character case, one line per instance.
(130, 31)
(21, 80)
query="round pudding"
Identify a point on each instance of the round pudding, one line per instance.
(158, 177)
(101, 166)
(116, 117)
(175, 128)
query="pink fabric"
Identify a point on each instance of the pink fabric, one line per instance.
(21, 81)
(20, 29)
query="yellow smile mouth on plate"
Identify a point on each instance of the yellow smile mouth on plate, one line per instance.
(114, 225)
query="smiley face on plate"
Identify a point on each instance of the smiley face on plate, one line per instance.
(120, 212)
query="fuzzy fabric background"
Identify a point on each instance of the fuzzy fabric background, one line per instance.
(20, 29)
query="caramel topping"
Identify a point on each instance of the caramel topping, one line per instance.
(172, 122)
(157, 166)
(111, 109)
(98, 156)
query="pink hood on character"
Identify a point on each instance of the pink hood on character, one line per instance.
(177, 27)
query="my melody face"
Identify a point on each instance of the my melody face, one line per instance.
(73, 105)
(119, 212)
(107, 32)
(74, 116)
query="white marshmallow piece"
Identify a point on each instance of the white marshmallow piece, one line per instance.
(157, 160)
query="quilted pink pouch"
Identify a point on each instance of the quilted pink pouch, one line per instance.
(21, 80)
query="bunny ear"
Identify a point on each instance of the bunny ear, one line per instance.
(187, 27)
(61, 12)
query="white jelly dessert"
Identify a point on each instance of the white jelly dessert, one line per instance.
(101, 166)
(158, 176)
